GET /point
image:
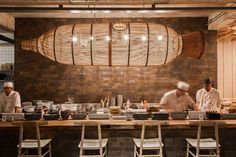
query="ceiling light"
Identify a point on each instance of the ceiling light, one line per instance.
(107, 38)
(143, 38)
(74, 39)
(91, 38)
(144, 11)
(159, 37)
(128, 11)
(126, 37)
(106, 11)
(75, 11)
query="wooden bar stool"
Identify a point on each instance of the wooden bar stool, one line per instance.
(196, 146)
(148, 144)
(33, 144)
(99, 144)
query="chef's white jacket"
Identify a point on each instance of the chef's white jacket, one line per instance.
(8, 103)
(208, 100)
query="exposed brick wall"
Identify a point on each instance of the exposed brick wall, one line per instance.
(37, 77)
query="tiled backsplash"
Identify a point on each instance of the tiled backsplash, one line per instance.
(6, 53)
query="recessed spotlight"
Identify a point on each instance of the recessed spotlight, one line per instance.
(159, 37)
(126, 37)
(143, 38)
(74, 39)
(75, 11)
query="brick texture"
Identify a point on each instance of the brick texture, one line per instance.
(37, 77)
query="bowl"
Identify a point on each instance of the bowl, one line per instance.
(78, 116)
(33, 116)
(52, 116)
(140, 116)
(213, 115)
(65, 114)
(29, 109)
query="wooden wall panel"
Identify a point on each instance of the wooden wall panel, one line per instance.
(226, 68)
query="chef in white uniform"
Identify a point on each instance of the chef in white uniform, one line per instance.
(208, 98)
(10, 101)
(177, 100)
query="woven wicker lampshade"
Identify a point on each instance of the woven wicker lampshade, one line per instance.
(117, 44)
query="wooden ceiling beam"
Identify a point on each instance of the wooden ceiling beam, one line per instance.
(110, 2)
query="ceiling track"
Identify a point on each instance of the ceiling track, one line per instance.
(61, 8)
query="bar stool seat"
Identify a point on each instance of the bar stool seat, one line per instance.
(91, 144)
(152, 143)
(32, 143)
(207, 143)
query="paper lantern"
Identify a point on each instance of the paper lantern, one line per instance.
(118, 44)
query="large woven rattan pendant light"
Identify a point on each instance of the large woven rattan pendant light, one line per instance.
(115, 44)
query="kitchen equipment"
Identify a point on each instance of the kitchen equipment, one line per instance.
(120, 100)
(70, 107)
(213, 115)
(28, 103)
(29, 109)
(160, 116)
(228, 116)
(98, 116)
(115, 109)
(13, 116)
(113, 101)
(65, 114)
(33, 116)
(196, 115)
(178, 115)
(140, 116)
(78, 116)
(52, 116)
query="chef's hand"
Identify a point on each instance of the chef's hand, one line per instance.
(17, 109)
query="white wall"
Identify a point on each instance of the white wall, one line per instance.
(226, 68)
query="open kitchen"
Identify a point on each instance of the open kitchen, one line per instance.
(117, 78)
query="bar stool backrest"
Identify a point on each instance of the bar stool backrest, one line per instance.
(158, 124)
(84, 124)
(31, 124)
(213, 124)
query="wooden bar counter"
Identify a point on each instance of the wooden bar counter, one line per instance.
(66, 136)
